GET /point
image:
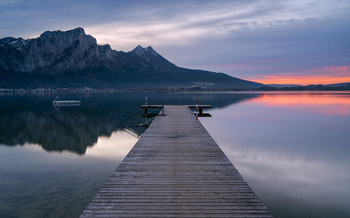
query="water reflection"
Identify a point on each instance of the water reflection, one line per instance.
(292, 149)
(105, 146)
(33, 120)
(34, 183)
(323, 103)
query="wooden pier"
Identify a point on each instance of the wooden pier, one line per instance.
(176, 169)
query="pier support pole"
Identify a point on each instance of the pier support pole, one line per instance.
(146, 109)
(196, 109)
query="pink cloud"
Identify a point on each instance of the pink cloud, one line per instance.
(323, 75)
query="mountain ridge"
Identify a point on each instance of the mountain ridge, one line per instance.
(74, 59)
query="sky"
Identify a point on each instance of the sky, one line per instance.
(268, 41)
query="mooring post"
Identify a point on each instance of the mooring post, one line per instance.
(196, 109)
(146, 108)
(200, 111)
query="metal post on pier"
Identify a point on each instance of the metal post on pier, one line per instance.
(196, 109)
(146, 108)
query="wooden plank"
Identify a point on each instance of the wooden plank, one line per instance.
(176, 169)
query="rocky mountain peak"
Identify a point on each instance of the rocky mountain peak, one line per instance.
(149, 48)
(139, 50)
(68, 36)
(152, 51)
(78, 30)
(73, 58)
(7, 40)
(10, 42)
(148, 51)
(53, 51)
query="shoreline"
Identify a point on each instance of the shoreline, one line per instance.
(51, 91)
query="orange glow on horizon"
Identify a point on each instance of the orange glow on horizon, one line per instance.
(322, 103)
(327, 75)
(302, 80)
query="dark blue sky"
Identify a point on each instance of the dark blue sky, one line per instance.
(300, 41)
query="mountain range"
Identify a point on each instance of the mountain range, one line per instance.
(72, 58)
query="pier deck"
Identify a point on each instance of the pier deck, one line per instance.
(176, 169)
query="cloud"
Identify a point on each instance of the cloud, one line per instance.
(323, 75)
(235, 37)
(310, 44)
(187, 26)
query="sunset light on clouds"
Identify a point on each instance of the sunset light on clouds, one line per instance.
(267, 41)
(325, 75)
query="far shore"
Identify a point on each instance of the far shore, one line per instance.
(54, 91)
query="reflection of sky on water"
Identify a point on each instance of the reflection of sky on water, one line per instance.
(326, 104)
(114, 147)
(292, 149)
(37, 183)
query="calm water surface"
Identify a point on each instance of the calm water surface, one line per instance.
(291, 147)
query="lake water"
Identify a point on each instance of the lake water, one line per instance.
(292, 148)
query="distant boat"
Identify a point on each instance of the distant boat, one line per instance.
(65, 103)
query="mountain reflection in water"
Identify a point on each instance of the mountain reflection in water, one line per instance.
(33, 119)
(291, 147)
